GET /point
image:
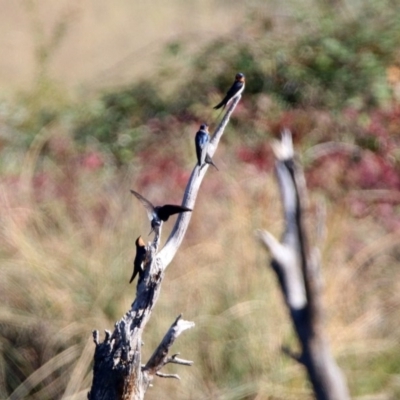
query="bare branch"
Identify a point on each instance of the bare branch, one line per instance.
(327, 148)
(161, 375)
(118, 371)
(298, 271)
(192, 189)
(287, 267)
(107, 335)
(159, 357)
(175, 360)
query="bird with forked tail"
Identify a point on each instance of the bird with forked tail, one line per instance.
(158, 214)
(202, 141)
(235, 90)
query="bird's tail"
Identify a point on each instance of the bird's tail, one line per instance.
(211, 162)
(133, 276)
(218, 116)
(219, 105)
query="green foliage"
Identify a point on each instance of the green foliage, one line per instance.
(339, 62)
(117, 119)
(347, 63)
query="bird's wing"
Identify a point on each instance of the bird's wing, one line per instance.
(234, 89)
(202, 140)
(166, 211)
(198, 154)
(149, 207)
(204, 144)
(135, 272)
(203, 153)
(198, 147)
(222, 103)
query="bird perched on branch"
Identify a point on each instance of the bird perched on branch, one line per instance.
(139, 258)
(202, 140)
(157, 214)
(235, 90)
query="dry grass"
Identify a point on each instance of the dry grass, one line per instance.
(66, 261)
(68, 231)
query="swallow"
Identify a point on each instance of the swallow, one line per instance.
(158, 214)
(235, 90)
(139, 258)
(202, 140)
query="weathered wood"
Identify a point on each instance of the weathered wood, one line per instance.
(160, 355)
(298, 270)
(118, 372)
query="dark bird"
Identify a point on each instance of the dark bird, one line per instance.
(235, 90)
(139, 258)
(158, 214)
(202, 140)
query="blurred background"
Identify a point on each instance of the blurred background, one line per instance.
(98, 98)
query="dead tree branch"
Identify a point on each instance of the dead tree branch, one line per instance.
(160, 355)
(118, 372)
(298, 270)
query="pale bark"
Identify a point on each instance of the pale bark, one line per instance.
(118, 372)
(298, 270)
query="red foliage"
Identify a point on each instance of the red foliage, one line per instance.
(261, 156)
(328, 173)
(163, 170)
(299, 122)
(369, 180)
(372, 171)
(92, 160)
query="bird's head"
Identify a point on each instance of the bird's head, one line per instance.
(204, 127)
(140, 242)
(240, 77)
(156, 222)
